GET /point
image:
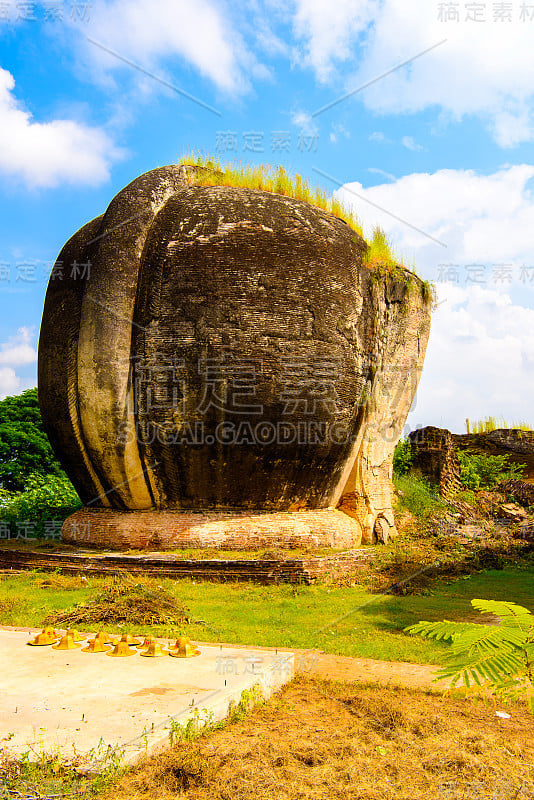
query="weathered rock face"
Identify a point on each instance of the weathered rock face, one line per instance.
(227, 354)
(521, 491)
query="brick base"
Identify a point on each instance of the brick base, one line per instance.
(171, 530)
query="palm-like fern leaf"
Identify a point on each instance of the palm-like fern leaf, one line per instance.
(499, 657)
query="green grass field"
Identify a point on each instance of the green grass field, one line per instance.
(343, 620)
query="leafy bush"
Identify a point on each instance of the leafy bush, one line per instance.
(419, 496)
(466, 496)
(483, 471)
(46, 498)
(402, 457)
(495, 657)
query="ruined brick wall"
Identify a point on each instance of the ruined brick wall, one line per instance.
(435, 455)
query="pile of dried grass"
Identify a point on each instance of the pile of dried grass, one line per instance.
(127, 599)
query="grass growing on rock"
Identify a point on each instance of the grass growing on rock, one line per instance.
(380, 254)
(276, 179)
(493, 424)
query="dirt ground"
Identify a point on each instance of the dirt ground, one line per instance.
(327, 739)
(389, 673)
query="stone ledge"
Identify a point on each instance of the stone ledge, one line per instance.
(171, 530)
(262, 570)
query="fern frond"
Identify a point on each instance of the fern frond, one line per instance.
(439, 630)
(495, 657)
(508, 613)
(486, 637)
(494, 668)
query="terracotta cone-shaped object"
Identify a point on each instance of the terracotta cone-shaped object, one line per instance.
(105, 638)
(96, 646)
(66, 643)
(75, 635)
(146, 643)
(121, 650)
(153, 650)
(230, 371)
(47, 636)
(182, 648)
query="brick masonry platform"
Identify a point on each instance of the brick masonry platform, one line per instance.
(170, 530)
(259, 570)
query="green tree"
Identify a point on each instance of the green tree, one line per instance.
(24, 445)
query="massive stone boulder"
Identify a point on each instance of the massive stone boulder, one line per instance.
(225, 372)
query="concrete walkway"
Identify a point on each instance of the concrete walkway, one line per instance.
(68, 702)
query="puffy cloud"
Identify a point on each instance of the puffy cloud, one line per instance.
(480, 357)
(484, 219)
(19, 349)
(146, 31)
(9, 382)
(484, 68)
(329, 31)
(45, 154)
(479, 362)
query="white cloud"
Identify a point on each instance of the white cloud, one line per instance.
(9, 382)
(146, 31)
(378, 136)
(483, 68)
(377, 171)
(19, 349)
(329, 30)
(480, 359)
(479, 362)
(338, 129)
(303, 121)
(480, 218)
(45, 154)
(410, 143)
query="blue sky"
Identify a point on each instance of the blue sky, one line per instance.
(437, 151)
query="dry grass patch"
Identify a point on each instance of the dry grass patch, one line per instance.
(324, 739)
